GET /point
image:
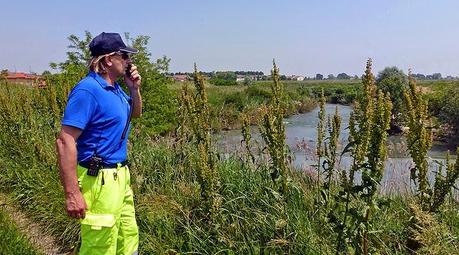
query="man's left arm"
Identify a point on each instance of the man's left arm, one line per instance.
(136, 102)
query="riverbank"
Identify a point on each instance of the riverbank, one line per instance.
(228, 102)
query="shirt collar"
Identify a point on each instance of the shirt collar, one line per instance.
(102, 82)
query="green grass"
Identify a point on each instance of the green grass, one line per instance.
(12, 240)
(253, 218)
(436, 83)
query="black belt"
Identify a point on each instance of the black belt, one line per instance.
(85, 164)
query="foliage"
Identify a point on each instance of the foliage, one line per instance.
(444, 183)
(444, 104)
(419, 140)
(30, 122)
(355, 203)
(247, 137)
(393, 81)
(327, 147)
(159, 102)
(320, 139)
(3, 74)
(426, 234)
(197, 120)
(424, 229)
(343, 76)
(227, 103)
(223, 79)
(77, 57)
(272, 130)
(334, 93)
(247, 81)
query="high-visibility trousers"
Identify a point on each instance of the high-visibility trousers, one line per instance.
(109, 226)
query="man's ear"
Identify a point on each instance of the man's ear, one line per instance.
(108, 61)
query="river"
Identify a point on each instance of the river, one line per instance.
(301, 137)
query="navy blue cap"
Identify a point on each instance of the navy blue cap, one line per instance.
(107, 43)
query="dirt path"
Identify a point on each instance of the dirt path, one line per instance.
(35, 233)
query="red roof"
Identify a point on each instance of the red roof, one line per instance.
(180, 77)
(25, 76)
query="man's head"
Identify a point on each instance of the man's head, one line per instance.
(106, 43)
(109, 52)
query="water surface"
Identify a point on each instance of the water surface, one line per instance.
(301, 137)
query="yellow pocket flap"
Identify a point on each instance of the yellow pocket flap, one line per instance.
(97, 221)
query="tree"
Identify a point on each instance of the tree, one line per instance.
(444, 104)
(419, 76)
(46, 73)
(343, 76)
(77, 57)
(229, 76)
(436, 76)
(393, 81)
(159, 104)
(319, 76)
(223, 79)
(3, 74)
(331, 77)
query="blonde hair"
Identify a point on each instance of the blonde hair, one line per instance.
(97, 63)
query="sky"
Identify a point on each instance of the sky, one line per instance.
(304, 37)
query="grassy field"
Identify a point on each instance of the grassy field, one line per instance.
(253, 216)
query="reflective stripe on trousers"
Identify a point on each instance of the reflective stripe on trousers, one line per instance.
(109, 226)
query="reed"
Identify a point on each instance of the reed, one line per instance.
(198, 119)
(272, 130)
(356, 202)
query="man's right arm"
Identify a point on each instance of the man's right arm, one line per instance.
(67, 158)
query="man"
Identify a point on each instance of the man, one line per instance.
(92, 149)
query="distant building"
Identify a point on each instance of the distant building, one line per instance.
(32, 80)
(296, 78)
(240, 77)
(180, 77)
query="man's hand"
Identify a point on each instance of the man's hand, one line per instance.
(133, 82)
(75, 205)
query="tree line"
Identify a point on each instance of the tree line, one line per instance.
(232, 75)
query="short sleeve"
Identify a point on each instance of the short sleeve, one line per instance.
(81, 107)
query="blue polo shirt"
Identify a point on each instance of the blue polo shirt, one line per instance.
(101, 111)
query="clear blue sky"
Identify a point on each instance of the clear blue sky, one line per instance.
(305, 37)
